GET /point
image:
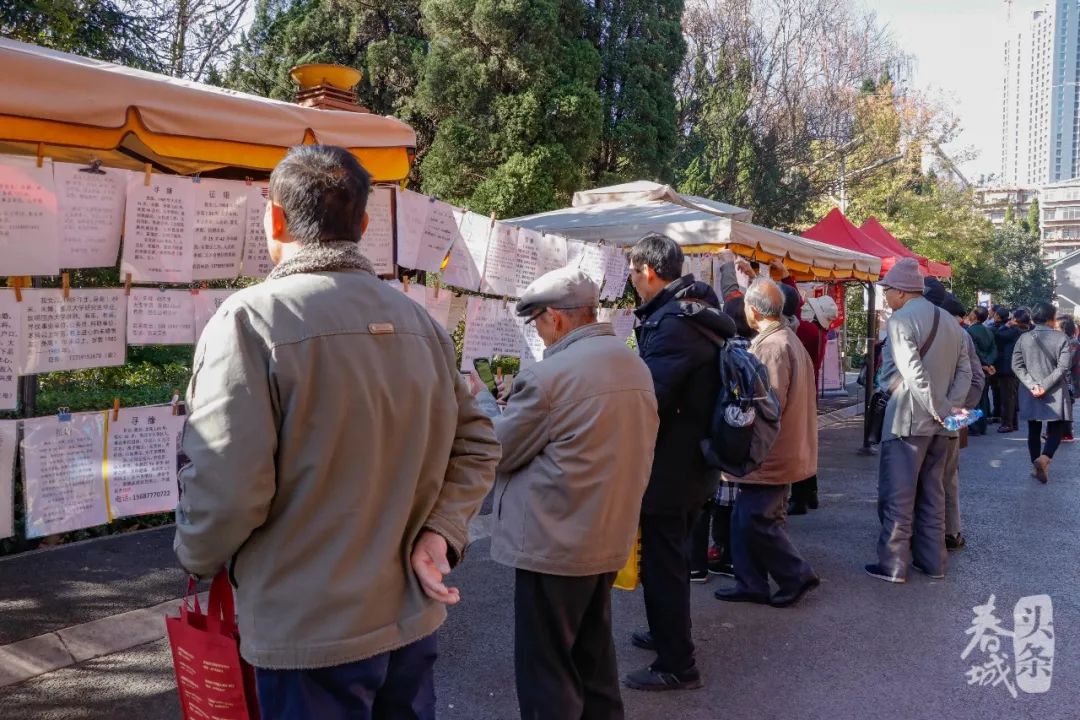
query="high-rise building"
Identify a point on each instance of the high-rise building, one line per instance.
(1041, 105)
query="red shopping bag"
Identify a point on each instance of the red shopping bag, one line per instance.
(213, 680)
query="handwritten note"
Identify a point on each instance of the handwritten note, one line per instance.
(91, 214)
(622, 321)
(700, 266)
(616, 272)
(537, 254)
(257, 262)
(465, 268)
(377, 242)
(84, 331)
(593, 263)
(160, 317)
(7, 477)
(490, 329)
(10, 342)
(532, 346)
(29, 239)
(440, 233)
(412, 212)
(206, 304)
(574, 250)
(143, 444)
(63, 479)
(500, 265)
(158, 238)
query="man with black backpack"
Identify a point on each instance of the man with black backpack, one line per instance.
(680, 328)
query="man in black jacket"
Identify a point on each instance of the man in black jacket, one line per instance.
(679, 326)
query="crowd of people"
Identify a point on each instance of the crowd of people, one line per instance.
(337, 455)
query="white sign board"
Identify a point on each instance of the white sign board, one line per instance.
(257, 262)
(158, 237)
(160, 317)
(8, 430)
(86, 330)
(143, 447)
(377, 242)
(218, 229)
(91, 214)
(29, 241)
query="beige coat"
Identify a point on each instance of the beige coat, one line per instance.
(578, 437)
(328, 426)
(794, 456)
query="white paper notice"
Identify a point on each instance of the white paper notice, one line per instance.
(257, 262)
(91, 214)
(377, 242)
(207, 303)
(412, 212)
(143, 445)
(468, 253)
(439, 307)
(84, 331)
(158, 222)
(63, 479)
(537, 254)
(616, 271)
(10, 342)
(532, 346)
(574, 250)
(440, 233)
(621, 319)
(700, 266)
(29, 239)
(500, 265)
(416, 292)
(219, 229)
(593, 262)
(490, 329)
(160, 317)
(7, 477)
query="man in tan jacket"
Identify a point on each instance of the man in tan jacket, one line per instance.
(577, 436)
(760, 546)
(337, 456)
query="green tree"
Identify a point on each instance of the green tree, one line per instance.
(641, 48)
(1024, 277)
(100, 29)
(510, 87)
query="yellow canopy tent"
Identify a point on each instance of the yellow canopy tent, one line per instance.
(74, 109)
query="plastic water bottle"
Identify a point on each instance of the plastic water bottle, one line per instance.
(962, 419)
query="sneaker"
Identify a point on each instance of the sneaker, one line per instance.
(722, 568)
(714, 555)
(796, 508)
(699, 576)
(784, 598)
(926, 572)
(955, 542)
(882, 574)
(1068, 438)
(654, 680)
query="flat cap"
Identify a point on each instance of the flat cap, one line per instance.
(560, 289)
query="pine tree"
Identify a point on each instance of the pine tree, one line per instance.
(510, 87)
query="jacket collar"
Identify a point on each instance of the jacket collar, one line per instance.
(323, 257)
(585, 331)
(674, 290)
(772, 328)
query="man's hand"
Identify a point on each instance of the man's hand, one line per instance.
(504, 385)
(476, 385)
(777, 264)
(989, 369)
(430, 565)
(743, 266)
(1038, 391)
(725, 256)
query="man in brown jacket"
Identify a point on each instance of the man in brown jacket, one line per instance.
(760, 545)
(337, 456)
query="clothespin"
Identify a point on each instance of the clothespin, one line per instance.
(148, 170)
(175, 402)
(66, 280)
(493, 219)
(41, 154)
(18, 283)
(405, 283)
(63, 414)
(93, 167)
(498, 373)
(116, 409)
(438, 285)
(247, 180)
(194, 288)
(506, 301)
(127, 283)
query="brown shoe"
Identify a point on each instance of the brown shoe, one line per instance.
(1042, 469)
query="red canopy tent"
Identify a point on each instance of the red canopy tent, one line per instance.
(876, 231)
(836, 229)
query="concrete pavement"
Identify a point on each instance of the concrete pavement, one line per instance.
(855, 648)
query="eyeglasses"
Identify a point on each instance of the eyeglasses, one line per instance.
(534, 317)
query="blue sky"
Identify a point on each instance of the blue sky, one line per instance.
(957, 47)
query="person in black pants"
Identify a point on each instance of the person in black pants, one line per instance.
(1008, 386)
(680, 326)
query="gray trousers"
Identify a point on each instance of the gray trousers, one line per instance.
(911, 503)
(760, 545)
(952, 489)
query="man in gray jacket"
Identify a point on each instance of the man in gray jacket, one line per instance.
(577, 436)
(927, 371)
(336, 457)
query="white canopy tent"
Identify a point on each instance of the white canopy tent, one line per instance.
(605, 214)
(645, 191)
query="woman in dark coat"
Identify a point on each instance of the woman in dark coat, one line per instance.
(1042, 360)
(1008, 385)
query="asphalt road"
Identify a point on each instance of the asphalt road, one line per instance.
(855, 648)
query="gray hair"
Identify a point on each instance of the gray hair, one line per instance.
(580, 316)
(766, 298)
(323, 190)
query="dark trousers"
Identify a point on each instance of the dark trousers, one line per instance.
(715, 522)
(995, 395)
(911, 503)
(803, 491)
(396, 685)
(1055, 431)
(1010, 397)
(979, 426)
(564, 656)
(665, 579)
(760, 546)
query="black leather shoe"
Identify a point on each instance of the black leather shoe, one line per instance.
(737, 595)
(796, 508)
(648, 679)
(643, 639)
(955, 542)
(786, 599)
(882, 574)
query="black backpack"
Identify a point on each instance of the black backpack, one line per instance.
(746, 417)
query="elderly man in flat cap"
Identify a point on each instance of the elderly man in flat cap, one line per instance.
(577, 434)
(926, 371)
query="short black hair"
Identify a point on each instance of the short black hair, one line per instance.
(1022, 316)
(1001, 312)
(659, 252)
(736, 309)
(980, 313)
(952, 305)
(323, 191)
(791, 300)
(1067, 325)
(1043, 312)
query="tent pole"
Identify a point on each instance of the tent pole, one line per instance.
(871, 370)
